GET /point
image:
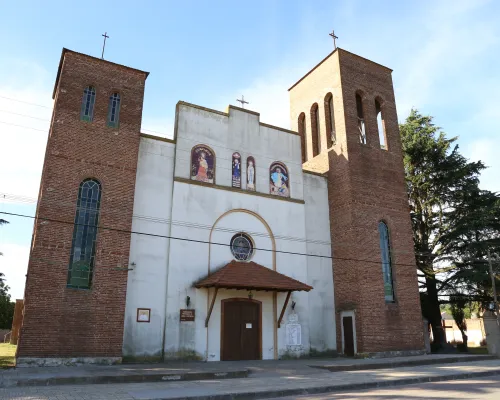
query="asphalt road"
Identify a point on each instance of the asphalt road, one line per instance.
(477, 389)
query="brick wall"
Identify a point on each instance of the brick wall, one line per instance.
(61, 321)
(366, 185)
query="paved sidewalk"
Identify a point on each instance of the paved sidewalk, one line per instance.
(259, 387)
(185, 371)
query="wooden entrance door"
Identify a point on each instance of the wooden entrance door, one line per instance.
(241, 333)
(348, 336)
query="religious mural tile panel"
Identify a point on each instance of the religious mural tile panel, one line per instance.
(203, 164)
(236, 168)
(279, 180)
(251, 173)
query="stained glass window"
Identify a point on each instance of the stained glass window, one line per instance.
(87, 112)
(241, 247)
(83, 247)
(114, 110)
(385, 250)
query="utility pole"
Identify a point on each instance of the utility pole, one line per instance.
(493, 285)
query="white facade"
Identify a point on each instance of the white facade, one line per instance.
(194, 223)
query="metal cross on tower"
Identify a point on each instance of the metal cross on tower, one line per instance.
(334, 37)
(104, 44)
(242, 101)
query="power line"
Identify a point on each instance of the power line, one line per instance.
(25, 127)
(24, 115)
(192, 240)
(149, 218)
(50, 108)
(25, 102)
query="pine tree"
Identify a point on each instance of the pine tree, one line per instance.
(439, 181)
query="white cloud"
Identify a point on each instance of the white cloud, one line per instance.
(448, 41)
(485, 150)
(163, 127)
(14, 264)
(268, 94)
(23, 149)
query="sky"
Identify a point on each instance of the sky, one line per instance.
(445, 56)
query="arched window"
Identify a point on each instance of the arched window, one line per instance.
(315, 129)
(381, 125)
(361, 119)
(82, 259)
(251, 170)
(385, 250)
(87, 111)
(279, 179)
(203, 164)
(302, 133)
(114, 110)
(236, 170)
(331, 137)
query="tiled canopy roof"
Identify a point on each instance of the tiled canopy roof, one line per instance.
(250, 276)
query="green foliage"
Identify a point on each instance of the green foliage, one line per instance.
(458, 304)
(453, 220)
(6, 306)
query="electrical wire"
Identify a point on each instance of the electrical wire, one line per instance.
(192, 240)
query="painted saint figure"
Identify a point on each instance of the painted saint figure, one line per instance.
(279, 182)
(202, 168)
(250, 173)
(236, 181)
(202, 164)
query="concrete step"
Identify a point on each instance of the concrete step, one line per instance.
(74, 376)
(403, 362)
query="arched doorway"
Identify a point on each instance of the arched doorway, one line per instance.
(241, 329)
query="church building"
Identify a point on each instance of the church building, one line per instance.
(235, 239)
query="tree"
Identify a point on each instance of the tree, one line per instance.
(458, 311)
(439, 180)
(6, 306)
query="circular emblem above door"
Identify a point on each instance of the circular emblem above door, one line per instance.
(242, 247)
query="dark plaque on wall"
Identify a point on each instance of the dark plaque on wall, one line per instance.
(187, 315)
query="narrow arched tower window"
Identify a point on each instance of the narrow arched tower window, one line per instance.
(114, 110)
(330, 120)
(315, 129)
(87, 111)
(385, 250)
(361, 119)
(302, 133)
(83, 247)
(381, 125)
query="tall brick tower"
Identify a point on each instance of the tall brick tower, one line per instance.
(335, 108)
(77, 274)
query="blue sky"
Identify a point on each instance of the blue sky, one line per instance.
(445, 56)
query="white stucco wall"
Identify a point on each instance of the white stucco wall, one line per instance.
(146, 286)
(203, 217)
(319, 269)
(240, 132)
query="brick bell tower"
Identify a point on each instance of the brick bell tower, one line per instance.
(345, 112)
(77, 274)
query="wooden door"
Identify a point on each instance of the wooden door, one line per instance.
(348, 336)
(241, 330)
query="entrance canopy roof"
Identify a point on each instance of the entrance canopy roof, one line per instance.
(250, 276)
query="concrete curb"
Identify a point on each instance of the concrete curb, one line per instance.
(405, 363)
(266, 394)
(127, 378)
